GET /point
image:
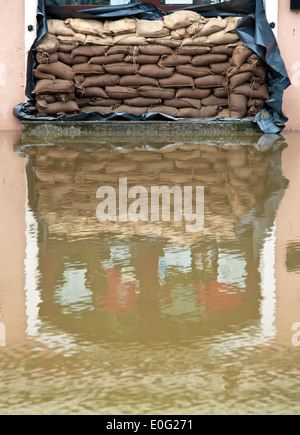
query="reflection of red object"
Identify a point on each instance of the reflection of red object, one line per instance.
(120, 296)
(216, 296)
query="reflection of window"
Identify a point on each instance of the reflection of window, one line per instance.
(94, 2)
(190, 2)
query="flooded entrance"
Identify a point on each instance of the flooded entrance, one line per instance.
(134, 316)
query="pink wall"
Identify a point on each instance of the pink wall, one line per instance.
(12, 62)
(289, 43)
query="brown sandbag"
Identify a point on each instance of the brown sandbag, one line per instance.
(166, 110)
(209, 111)
(54, 87)
(174, 60)
(48, 98)
(156, 72)
(220, 68)
(45, 58)
(261, 93)
(208, 59)
(39, 75)
(69, 60)
(58, 107)
(232, 23)
(222, 49)
(181, 103)
(212, 100)
(49, 44)
(101, 81)
(136, 111)
(136, 81)
(123, 49)
(119, 27)
(58, 69)
(107, 60)
(193, 50)
(142, 59)
(90, 50)
(156, 50)
(58, 27)
(142, 102)
(99, 109)
(188, 113)
(121, 92)
(221, 92)
(151, 29)
(213, 25)
(92, 92)
(155, 92)
(254, 110)
(177, 81)
(67, 48)
(246, 67)
(222, 38)
(238, 106)
(166, 42)
(193, 93)
(211, 81)
(254, 59)
(240, 79)
(65, 97)
(96, 101)
(79, 79)
(122, 69)
(256, 103)
(87, 27)
(241, 54)
(193, 71)
(88, 69)
(82, 102)
(181, 19)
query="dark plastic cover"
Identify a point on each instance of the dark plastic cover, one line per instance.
(253, 29)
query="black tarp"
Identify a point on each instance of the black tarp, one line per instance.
(253, 29)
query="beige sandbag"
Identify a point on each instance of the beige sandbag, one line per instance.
(181, 19)
(156, 72)
(165, 110)
(212, 81)
(181, 103)
(45, 58)
(213, 25)
(207, 59)
(119, 27)
(195, 28)
(151, 29)
(88, 69)
(174, 60)
(193, 93)
(89, 50)
(122, 69)
(121, 92)
(222, 38)
(136, 111)
(76, 38)
(106, 60)
(49, 43)
(67, 48)
(58, 27)
(178, 34)
(220, 68)
(193, 71)
(69, 60)
(87, 27)
(193, 50)
(155, 92)
(142, 59)
(97, 40)
(166, 42)
(155, 50)
(232, 23)
(136, 81)
(129, 39)
(58, 69)
(212, 100)
(177, 81)
(241, 54)
(202, 40)
(238, 106)
(142, 102)
(101, 81)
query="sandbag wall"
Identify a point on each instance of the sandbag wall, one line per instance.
(185, 66)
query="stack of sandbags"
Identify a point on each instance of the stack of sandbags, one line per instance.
(185, 66)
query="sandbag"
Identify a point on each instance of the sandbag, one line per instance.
(212, 100)
(155, 92)
(45, 58)
(67, 48)
(178, 34)
(122, 69)
(136, 111)
(241, 54)
(221, 92)
(82, 102)
(255, 102)
(212, 81)
(166, 110)
(156, 50)
(214, 25)
(193, 50)
(195, 28)
(261, 93)
(99, 109)
(208, 59)
(232, 23)
(39, 75)
(166, 42)
(58, 69)
(151, 29)
(193, 71)
(188, 113)
(190, 42)
(121, 92)
(69, 60)
(97, 40)
(49, 44)
(54, 87)
(58, 107)
(58, 27)
(88, 69)
(87, 27)
(156, 72)
(240, 79)
(89, 50)
(76, 38)
(220, 68)
(142, 59)
(174, 60)
(142, 102)
(238, 106)
(177, 81)
(209, 111)
(129, 39)
(222, 38)
(137, 81)
(101, 81)
(193, 93)
(123, 49)
(181, 19)
(119, 27)
(65, 97)
(181, 103)
(92, 92)
(44, 97)
(222, 49)
(107, 60)
(96, 101)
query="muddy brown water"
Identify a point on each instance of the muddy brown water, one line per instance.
(145, 317)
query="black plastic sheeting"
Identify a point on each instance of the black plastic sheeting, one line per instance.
(253, 29)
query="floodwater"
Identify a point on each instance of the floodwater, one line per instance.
(143, 317)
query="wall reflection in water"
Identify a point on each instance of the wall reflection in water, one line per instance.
(152, 281)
